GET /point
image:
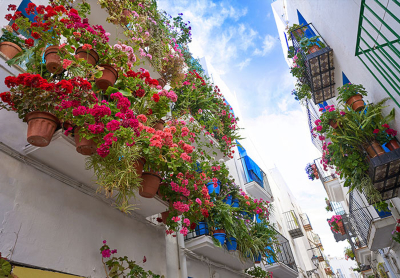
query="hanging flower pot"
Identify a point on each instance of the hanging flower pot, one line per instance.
(316, 175)
(164, 216)
(53, 60)
(356, 102)
(333, 124)
(228, 200)
(67, 125)
(299, 32)
(231, 244)
(220, 237)
(211, 188)
(314, 167)
(150, 184)
(235, 203)
(341, 227)
(161, 82)
(83, 145)
(257, 259)
(91, 57)
(374, 149)
(41, 127)
(138, 165)
(159, 125)
(10, 49)
(313, 49)
(392, 145)
(110, 75)
(201, 228)
(219, 231)
(125, 16)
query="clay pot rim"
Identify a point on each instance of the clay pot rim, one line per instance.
(358, 96)
(12, 45)
(152, 174)
(91, 51)
(51, 117)
(110, 68)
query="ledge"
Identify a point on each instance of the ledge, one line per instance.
(281, 270)
(62, 156)
(334, 190)
(255, 190)
(363, 255)
(203, 245)
(380, 233)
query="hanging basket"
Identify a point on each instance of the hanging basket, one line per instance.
(110, 75)
(83, 145)
(91, 57)
(126, 14)
(150, 184)
(41, 127)
(333, 124)
(164, 216)
(341, 227)
(53, 60)
(159, 125)
(10, 49)
(138, 165)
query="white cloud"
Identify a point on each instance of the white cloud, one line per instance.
(283, 105)
(268, 44)
(244, 63)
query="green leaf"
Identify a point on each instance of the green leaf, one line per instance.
(99, 74)
(125, 93)
(5, 267)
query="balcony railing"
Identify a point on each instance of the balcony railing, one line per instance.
(325, 176)
(306, 222)
(319, 64)
(283, 253)
(293, 224)
(378, 43)
(312, 116)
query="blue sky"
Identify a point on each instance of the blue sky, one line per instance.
(240, 39)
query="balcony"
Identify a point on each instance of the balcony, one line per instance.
(320, 69)
(284, 265)
(62, 156)
(306, 222)
(259, 189)
(203, 245)
(293, 225)
(331, 182)
(373, 228)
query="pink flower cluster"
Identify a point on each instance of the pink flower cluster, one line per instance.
(169, 94)
(180, 206)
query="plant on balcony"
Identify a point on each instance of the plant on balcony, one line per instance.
(396, 232)
(336, 224)
(299, 71)
(258, 272)
(12, 44)
(116, 267)
(329, 118)
(297, 30)
(310, 45)
(312, 174)
(352, 95)
(348, 253)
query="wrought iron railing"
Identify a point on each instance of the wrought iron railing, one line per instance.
(319, 73)
(293, 224)
(306, 221)
(283, 253)
(312, 116)
(337, 208)
(378, 43)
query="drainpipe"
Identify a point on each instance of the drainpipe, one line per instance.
(387, 263)
(182, 256)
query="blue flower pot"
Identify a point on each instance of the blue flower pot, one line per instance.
(228, 200)
(201, 229)
(220, 237)
(235, 203)
(257, 260)
(232, 245)
(211, 188)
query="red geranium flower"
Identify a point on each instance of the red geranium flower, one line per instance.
(149, 112)
(11, 7)
(156, 97)
(8, 17)
(29, 42)
(15, 27)
(35, 35)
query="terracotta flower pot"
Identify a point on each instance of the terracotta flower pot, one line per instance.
(314, 167)
(159, 125)
(91, 57)
(164, 216)
(138, 165)
(356, 102)
(313, 49)
(374, 149)
(158, 191)
(53, 60)
(341, 227)
(83, 145)
(41, 127)
(125, 16)
(219, 231)
(10, 49)
(150, 184)
(161, 82)
(316, 175)
(333, 124)
(110, 75)
(392, 145)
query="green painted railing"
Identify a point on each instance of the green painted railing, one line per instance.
(378, 43)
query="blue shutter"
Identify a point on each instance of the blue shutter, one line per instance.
(345, 79)
(309, 32)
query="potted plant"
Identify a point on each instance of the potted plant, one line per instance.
(348, 253)
(311, 172)
(336, 224)
(386, 135)
(12, 44)
(330, 117)
(311, 45)
(297, 31)
(352, 95)
(116, 267)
